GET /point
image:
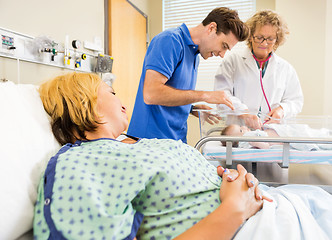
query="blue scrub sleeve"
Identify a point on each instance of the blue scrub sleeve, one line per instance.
(165, 54)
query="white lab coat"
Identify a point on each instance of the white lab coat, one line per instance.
(238, 75)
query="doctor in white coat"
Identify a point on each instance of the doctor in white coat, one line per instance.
(257, 80)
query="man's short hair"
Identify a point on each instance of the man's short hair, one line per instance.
(227, 20)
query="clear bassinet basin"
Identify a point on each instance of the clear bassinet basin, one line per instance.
(212, 122)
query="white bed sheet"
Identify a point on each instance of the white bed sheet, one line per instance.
(291, 215)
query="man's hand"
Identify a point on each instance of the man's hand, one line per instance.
(218, 97)
(208, 117)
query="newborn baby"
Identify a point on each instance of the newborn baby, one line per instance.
(279, 130)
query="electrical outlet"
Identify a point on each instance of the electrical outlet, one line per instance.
(7, 44)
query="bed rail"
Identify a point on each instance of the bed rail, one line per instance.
(285, 140)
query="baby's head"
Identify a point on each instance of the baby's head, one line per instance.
(234, 130)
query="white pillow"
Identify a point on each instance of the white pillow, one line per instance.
(26, 144)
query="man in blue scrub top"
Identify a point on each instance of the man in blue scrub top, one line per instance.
(166, 90)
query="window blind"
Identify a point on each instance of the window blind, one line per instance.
(192, 13)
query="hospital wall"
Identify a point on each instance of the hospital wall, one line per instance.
(308, 49)
(80, 19)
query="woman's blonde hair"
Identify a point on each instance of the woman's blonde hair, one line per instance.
(71, 101)
(267, 17)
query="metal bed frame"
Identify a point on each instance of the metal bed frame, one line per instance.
(285, 140)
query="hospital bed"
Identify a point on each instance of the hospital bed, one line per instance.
(27, 143)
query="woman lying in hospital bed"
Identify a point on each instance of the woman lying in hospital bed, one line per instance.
(279, 130)
(98, 187)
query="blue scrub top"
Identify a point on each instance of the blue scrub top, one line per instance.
(173, 54)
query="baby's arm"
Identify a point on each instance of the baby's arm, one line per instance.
(260, 145)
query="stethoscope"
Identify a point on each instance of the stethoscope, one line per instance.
(261, 77)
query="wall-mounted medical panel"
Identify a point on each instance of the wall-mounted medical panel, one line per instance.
(43, 50)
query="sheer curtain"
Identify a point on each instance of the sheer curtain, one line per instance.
(192, 12)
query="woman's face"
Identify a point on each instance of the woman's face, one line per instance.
(263, 41)
(110, 109)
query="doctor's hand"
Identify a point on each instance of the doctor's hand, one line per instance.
(251, 121)
(218, 97)
(206, 115)
(276, 115)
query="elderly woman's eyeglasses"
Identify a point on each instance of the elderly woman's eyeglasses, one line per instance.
(261, 39)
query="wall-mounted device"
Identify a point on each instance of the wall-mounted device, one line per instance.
(104, 63)
(76, 44)
(8, 43)
(43, 50)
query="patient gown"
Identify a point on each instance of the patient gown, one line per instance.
(102, 189)
(153, 189)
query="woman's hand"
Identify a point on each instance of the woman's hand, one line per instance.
(231, 176)
(238, 203)
(239, 195)
(252, 182)
(276, 115)
(251, 121)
